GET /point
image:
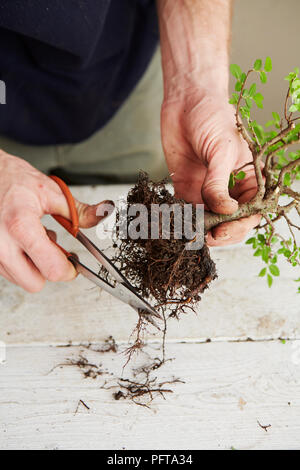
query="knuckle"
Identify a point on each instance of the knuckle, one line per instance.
(215, 184)
(16, 226)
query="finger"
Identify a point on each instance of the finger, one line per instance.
(23, 272)
(236, 231)
(4, 273)
(215, 191)
(17, 268)
(91, 215)
(32, 238)
(188, 180)
(232, 232)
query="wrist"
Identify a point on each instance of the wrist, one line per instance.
(208, 80)
(194, 44)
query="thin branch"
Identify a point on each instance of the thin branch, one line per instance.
(276, 140)
(239, 122)
(243, 166)
(286, 209)
(287, 118)
(290, 192)
(285, 170)
(291, 224)
(269, 161)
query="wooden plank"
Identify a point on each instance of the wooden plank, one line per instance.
(229, 386)
(238, 305)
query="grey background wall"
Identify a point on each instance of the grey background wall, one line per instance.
(267, 27)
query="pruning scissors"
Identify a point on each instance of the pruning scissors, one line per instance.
(122, 289)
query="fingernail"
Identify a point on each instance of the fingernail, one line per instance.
(68, 276)
(72, 273)
(111, 203)
(223, 237)
(105, 208)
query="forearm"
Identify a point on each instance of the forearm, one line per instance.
(195, 37)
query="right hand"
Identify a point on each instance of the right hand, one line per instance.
(202, 147)
(28, 257)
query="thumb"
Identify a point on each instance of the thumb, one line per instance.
(91, 215)
(215, 191)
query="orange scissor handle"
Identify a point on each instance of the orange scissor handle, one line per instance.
(71, 225)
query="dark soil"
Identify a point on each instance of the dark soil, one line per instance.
(163, 271)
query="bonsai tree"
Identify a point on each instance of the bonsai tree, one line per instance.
(276, 168)
(175, 278)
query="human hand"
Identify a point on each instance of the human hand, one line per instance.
(202, 147)
(27, 255)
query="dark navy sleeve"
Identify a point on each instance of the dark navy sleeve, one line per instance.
(69, 65)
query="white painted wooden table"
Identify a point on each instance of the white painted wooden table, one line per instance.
(231, 383)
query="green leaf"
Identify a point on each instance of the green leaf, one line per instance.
(258, 98)
(238, 86)
(274, 270)
(261, 238)
(276, 118)
(295, 84)
(270, 280)
(263, 76)
(287, 179)
(268, 64)
(231, 181)
(248, 102)
(262, 272)
(240, 176)
(250, 241)
(252, 90)
(293, 108)
(282, 160)
(258, 252)
(257, 64)
(245, 112)
(234, 98)
(294, 155)
(235, 70)
(243, 77)
(265, 253)
(258, 129)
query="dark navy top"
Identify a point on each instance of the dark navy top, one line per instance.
(68, 65)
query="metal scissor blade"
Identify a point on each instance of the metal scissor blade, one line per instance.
(101, 257)
(121, 291)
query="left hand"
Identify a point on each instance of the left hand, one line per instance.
(202, 147)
